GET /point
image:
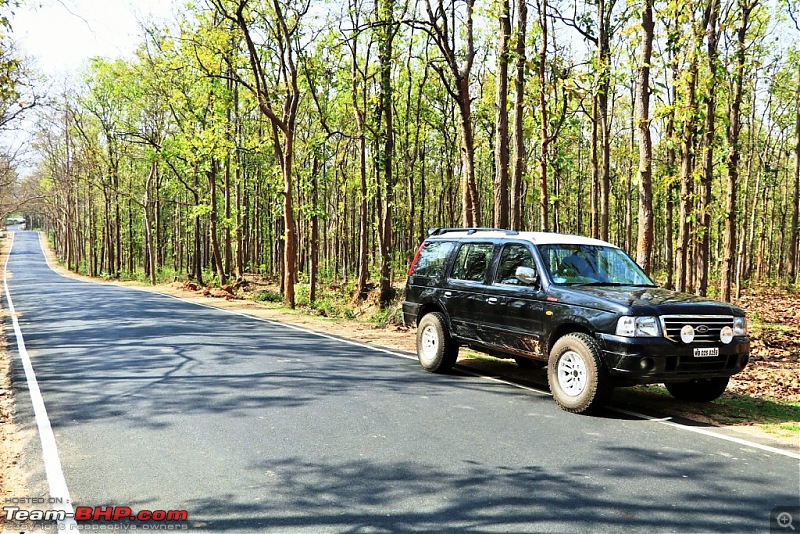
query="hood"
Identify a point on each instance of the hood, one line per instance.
(646, 301)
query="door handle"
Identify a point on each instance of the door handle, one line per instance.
(491, 300)
(448, 294)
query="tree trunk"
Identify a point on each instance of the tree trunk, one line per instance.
(544, 201)
(518, 171)
(148, 224)
(501, 114)
(644, 245)
(385, 240)
(704, 219)
(683, 278)
(314, 253)
(794, 235)
(604, 10)
(216, 256)
(734, 129)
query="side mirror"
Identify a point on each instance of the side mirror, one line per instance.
(527, 276)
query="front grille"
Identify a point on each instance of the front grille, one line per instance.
(672, 324)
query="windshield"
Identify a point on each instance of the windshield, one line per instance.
(592, 265)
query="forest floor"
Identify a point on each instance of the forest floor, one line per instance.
(762, 402)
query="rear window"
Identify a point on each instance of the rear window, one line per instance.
(472, 262)
(432, 258)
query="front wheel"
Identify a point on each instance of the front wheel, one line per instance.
(698, 390)
(578, 380)
(436, 350)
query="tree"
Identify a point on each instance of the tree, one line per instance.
(456, 78)
(795, 228)
(386, 30)
(281, 22)
(746, 8)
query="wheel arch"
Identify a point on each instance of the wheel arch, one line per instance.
(432, 307)
(570, 327)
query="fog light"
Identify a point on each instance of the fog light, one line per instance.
(646, 364)
(726, 335)
(687, 334)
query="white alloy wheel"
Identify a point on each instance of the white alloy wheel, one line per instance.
(572, 373)
(429, 346)
(577, 375)
(436, 350)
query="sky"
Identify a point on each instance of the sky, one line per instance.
(61, 34)
(57, 37)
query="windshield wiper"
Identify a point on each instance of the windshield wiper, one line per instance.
(607, 284)
(581, 284)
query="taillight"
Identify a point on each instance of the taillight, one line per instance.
(416, 259)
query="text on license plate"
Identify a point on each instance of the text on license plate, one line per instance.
(706, 353)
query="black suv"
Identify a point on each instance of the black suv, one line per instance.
(580, 306)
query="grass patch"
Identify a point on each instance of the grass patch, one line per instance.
(773, 415)
(266, 295)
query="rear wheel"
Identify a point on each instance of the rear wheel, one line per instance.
(698, 390)
(578, 380)
(436, 350)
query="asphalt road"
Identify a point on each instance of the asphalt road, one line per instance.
(252, 426)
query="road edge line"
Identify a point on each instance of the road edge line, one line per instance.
(488, 378)
(57, 484)
(705, 432)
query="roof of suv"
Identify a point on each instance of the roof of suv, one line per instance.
(537, 238)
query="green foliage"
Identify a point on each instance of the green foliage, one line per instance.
(266, 295)
(147, 139)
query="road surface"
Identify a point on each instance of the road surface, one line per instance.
(251, 426)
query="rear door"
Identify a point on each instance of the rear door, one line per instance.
(467, 291)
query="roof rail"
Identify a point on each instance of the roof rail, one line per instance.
(469, 231)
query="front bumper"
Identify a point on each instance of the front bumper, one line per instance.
(652, 360)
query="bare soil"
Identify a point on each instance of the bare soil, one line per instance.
(773, 377)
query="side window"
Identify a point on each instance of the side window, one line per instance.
(472, 262)
(432, 258)
(513, 256)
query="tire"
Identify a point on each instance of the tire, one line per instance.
(698, 390)
(529, 363)
(578, 379)
(436, 350)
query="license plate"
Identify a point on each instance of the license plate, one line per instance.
(706, 353)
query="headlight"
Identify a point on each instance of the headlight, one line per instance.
(740, 326)
(638, 327)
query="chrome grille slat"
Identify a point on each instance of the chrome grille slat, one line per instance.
(671, 326)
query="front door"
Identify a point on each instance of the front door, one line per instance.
(515, 310)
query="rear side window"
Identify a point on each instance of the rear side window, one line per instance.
(472, 262)
(432, 258)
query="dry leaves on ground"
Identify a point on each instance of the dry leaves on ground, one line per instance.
(774, 369)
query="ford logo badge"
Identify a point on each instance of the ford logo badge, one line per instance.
(702, 329)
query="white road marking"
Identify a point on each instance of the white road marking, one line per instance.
(664, 421)
(59, 493)
(706, 432)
